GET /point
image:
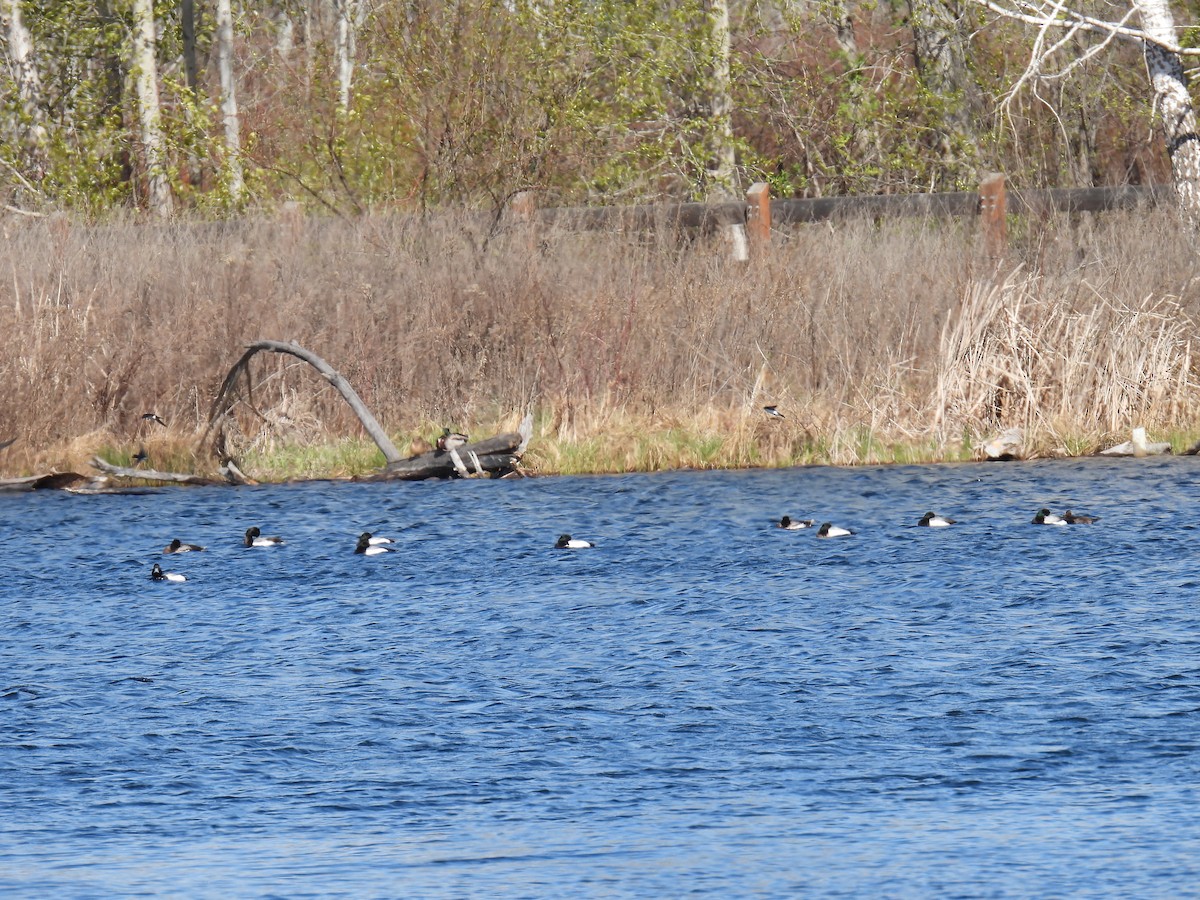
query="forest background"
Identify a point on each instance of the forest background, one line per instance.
(339, 174)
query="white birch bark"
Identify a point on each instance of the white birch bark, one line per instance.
(1163, 64)
(722, 162)
(146, 84)
(940, 41)
(1174, 104)
(29, 89)
(345, 46)
(234, 181)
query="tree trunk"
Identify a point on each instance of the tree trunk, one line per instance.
(721, 175)
(146, 80)
(1174, 105)
(345, 43)
(229, 109)
(940, 41)
(840, 17)
(29, 88)
(187, 25)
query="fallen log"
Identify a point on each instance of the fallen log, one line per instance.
(150, 474)
(495, 456)
(53, 481)
(71, 482)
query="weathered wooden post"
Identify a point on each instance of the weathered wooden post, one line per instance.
(758, 218)
(993, 214)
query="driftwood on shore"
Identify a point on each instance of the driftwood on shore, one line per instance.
(495, 456)
(150, 474)
(54, 481)
(71, 482)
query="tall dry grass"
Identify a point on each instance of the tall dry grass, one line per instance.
(1055, 357)
(890, 341)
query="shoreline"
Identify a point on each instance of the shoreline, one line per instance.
(673, 450)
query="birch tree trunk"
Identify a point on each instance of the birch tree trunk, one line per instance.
(722, 162)
(234, 182)
(146, 81)
(940, 51)
(29, 89)
(1174, 105)
(345, 43)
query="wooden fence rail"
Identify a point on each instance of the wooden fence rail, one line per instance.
(991, 205)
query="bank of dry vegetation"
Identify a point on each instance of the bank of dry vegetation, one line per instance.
(881, 342)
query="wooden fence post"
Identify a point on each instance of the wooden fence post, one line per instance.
(758, 218)
(993, 214)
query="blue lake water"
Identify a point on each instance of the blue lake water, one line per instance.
(702, 705)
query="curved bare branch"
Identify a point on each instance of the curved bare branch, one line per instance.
(224, 399)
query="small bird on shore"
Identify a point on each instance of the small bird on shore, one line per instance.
(566, 542)
(1072, 519)
(157, 574)
(254, 538)
(154, 417)
(789, 524)
(828, 530)
(178, 546)
(932, 520)
(1045, 517)
(774, 412)
(366, 548)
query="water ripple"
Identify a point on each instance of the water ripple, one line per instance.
(704, 700)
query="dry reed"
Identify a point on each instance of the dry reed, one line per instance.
(635, 351)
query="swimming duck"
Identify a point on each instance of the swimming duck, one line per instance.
(159, 575)
(1045, 517)
(1071, 519)
(790, 524)
(828, 529)
(451, 440)
(178, 546)
(374, 541)
(932, 520)
(254, 539)
(366, 548)
(566, 542)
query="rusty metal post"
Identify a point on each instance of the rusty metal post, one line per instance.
(993, 215)
(758, 218)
